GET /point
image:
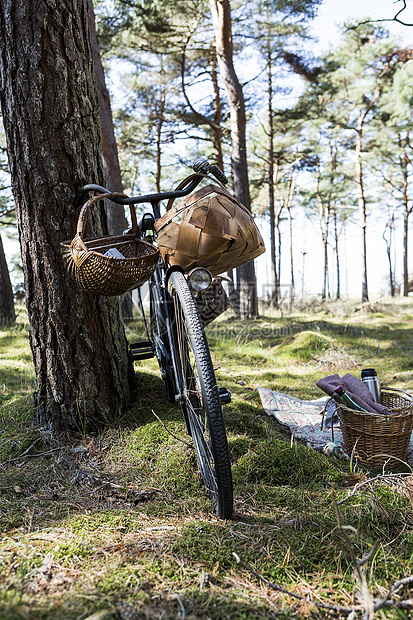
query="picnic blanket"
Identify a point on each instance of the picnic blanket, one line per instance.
(303, 419)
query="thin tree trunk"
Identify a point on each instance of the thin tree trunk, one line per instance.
(323, 220)
(362, 209)
(325, 242)
(50, 108)
(158, 128)
(405, 253)
(277, 231)
(404, 162)
(216, 127)
(7, 313)
(290, 229)
(338, 287)
(271, 197)
(389, 226)
(221, 18)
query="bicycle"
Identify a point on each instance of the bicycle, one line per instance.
(177, 338)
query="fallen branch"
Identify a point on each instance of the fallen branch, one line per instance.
(359, 485)
(376, 604)
(168, 431)
(336, 608)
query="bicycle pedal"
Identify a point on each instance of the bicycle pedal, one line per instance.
(224, 396)
(142, 350)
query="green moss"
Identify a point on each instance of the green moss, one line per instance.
(308, 344)
(284, 526)
(66, 552)
(112, 520)
(275, 463)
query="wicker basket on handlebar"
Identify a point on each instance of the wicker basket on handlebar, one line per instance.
(211, 229)
(109, 266)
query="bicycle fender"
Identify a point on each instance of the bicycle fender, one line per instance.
(170, 270)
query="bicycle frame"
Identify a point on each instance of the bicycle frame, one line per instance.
(160, 278)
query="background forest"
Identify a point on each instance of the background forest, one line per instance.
(328, 136)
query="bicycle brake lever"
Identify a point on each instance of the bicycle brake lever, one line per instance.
(202, 166)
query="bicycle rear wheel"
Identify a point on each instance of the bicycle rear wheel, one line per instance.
(200, 400)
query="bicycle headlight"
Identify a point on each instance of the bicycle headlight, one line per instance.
(199, 279)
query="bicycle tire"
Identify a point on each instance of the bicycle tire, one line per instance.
(159, 338)
(200, 400)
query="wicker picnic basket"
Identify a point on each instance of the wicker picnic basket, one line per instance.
(376, 439)
(132, 261)
(209, 228)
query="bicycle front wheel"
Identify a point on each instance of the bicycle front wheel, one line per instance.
(200, 400)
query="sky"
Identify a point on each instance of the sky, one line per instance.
(334, 12)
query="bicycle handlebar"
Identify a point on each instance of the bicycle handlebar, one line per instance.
(201, 166)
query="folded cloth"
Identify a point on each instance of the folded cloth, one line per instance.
(355, 388)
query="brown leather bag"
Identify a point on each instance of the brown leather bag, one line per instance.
(209, 228)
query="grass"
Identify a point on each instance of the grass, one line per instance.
(117, 524)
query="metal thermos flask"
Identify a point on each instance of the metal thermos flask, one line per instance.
(369, 377)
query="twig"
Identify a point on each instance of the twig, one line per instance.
(183, 612)
(370, 554)
(16, 458)
(337, 608)
(168, 431)
(386, 602)
(389, 19)
(369, 481)
(377, 604)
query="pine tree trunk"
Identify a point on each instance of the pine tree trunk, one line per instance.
(362, 212)
(326, 219)
(405, 253)
(221, 18)
(404, 164)
(117, 221)
(292, 277)
(216, 127)
(51, 116)
(338, 287)
(271, 167)
(7, 314)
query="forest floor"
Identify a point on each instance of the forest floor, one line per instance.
(117, 525)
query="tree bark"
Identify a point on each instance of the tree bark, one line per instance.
(7, 314)
(50, 110)
(221, 18)
(117, 221)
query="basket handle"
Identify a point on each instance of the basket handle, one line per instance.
(191, 177)
(392, 389)
(81, 223)
(185, 204)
